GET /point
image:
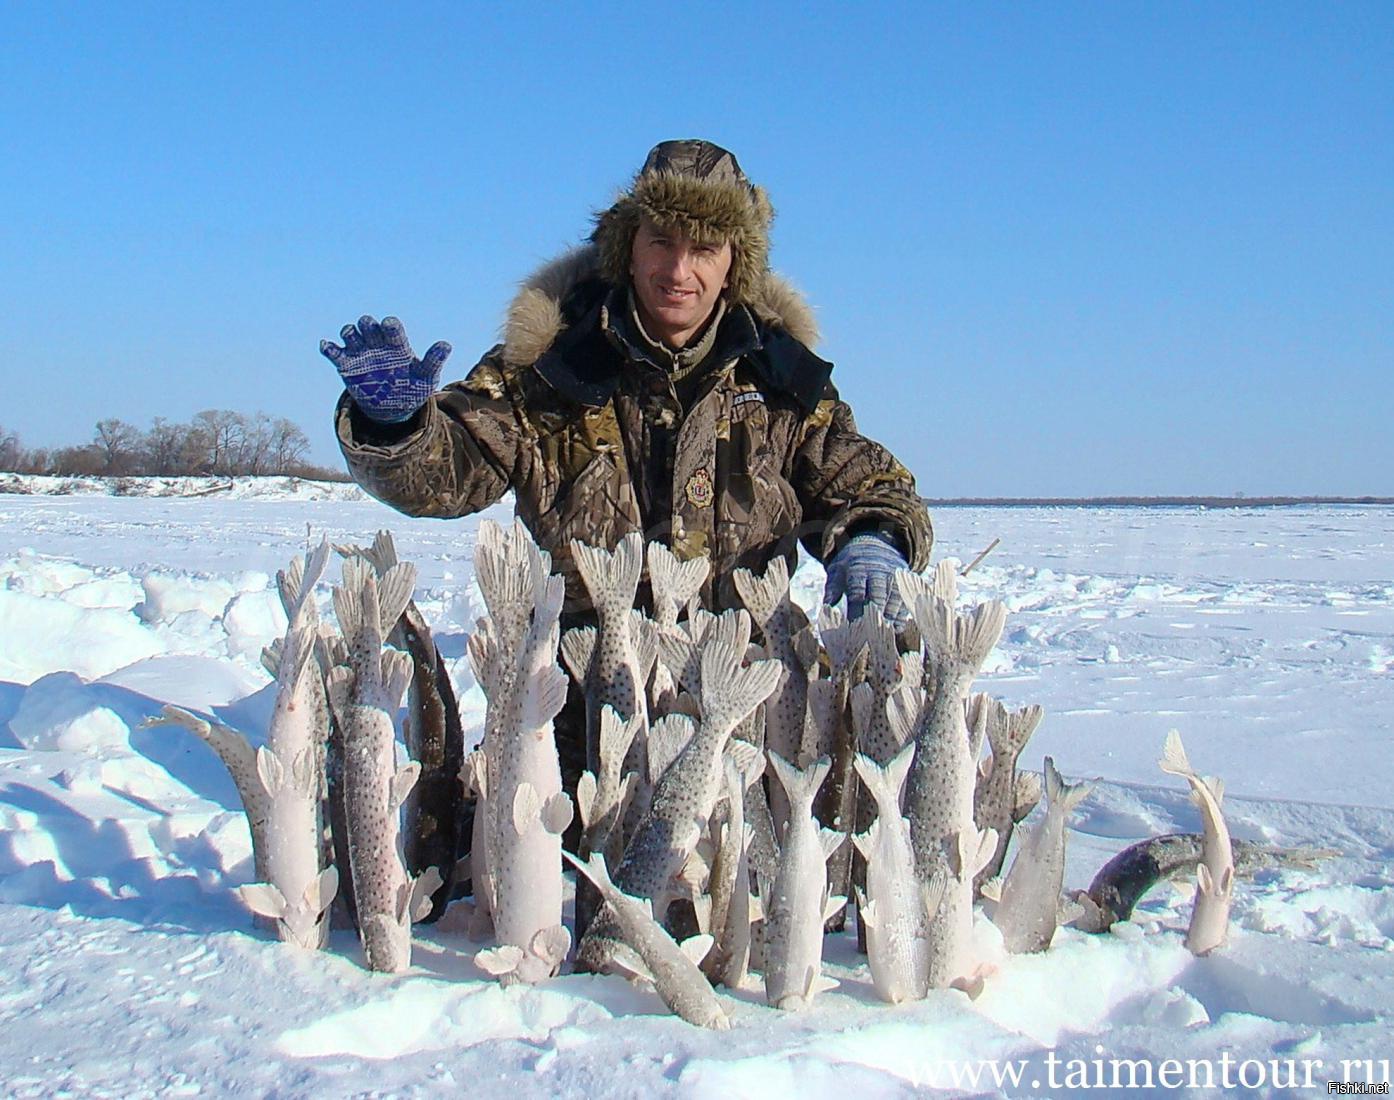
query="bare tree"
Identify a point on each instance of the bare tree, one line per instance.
(119, 444)
(226, 433)
(11, 453)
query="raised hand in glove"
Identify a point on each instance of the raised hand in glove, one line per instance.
(380, 370)
(864, 571)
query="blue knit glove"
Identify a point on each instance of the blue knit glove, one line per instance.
(382, 373)
(864, 571)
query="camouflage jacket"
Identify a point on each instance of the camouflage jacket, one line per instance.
(592, 438)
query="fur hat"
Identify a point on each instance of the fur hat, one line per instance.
(697, 188)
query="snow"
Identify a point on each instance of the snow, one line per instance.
(128, 967)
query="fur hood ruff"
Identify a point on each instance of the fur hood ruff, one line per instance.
(535, 319)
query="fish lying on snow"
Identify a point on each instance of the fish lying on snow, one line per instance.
(731, 907)
(365, 695)
(1123, 881)
(939, 791)
(896, 907)
(528, 810)
(996, 799)
(798, 901)
(1028, 899)
(654, 954)
(1209, 926)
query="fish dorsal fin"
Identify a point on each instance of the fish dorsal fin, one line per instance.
(903, 714)
(1217, 788)
(748, 761)
(645, 634)
(992, 888)
(544, 696)
(271, 657)
(585, 798)
(1205, 881)
(932, 893)
(394, 593)
(986, 850)
(615, 734)
(1026, 794)
(577, 649)
(668, 737)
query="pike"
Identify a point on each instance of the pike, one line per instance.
(1209, 926)
(1028, 899)
(686, 792)
(799, 902)
(434, 739)
(939, 791)
(996, 801)
(296, 892)
(365, 695)
(530, 811)
(896, 907)
(652, 953)
(790, 640)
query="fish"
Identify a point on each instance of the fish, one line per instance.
(434, 738)
(364, 695)
(732, 907)
(240, 759)
(653, 954)
(939, 790)
(297, 890)
(1209, 927)
(896, 907)
(1028, 898)
(530, 810)
(995, 797)
(790, 640)
(686, 792)
(673, 585)
(799, 902)
(1126, 878)
(605, 659)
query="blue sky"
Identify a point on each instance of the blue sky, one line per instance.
(1055, 249)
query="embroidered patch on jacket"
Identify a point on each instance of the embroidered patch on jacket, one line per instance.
(747, 397)
(699, 488)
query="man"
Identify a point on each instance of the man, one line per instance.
(658, 379)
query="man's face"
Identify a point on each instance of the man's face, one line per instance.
(676, 281)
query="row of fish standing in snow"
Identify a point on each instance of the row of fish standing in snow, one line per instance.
(724, 779)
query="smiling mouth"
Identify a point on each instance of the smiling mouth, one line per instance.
(672, 294)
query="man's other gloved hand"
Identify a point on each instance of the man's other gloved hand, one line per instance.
(379, 369)
(864, 571)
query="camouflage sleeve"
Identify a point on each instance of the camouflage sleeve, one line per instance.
(456, 456)
(847, 482)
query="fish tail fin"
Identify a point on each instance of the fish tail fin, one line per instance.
(763, 596)
(886, 782)
(800, 786)
(730, 691)
(1021, 724)
(611, 576)
(1174, 760)
(615, 733)
(394, 593)
(1059, 793)
(502, 566)
(674, 582)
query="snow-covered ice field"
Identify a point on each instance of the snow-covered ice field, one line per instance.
(128, 967)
